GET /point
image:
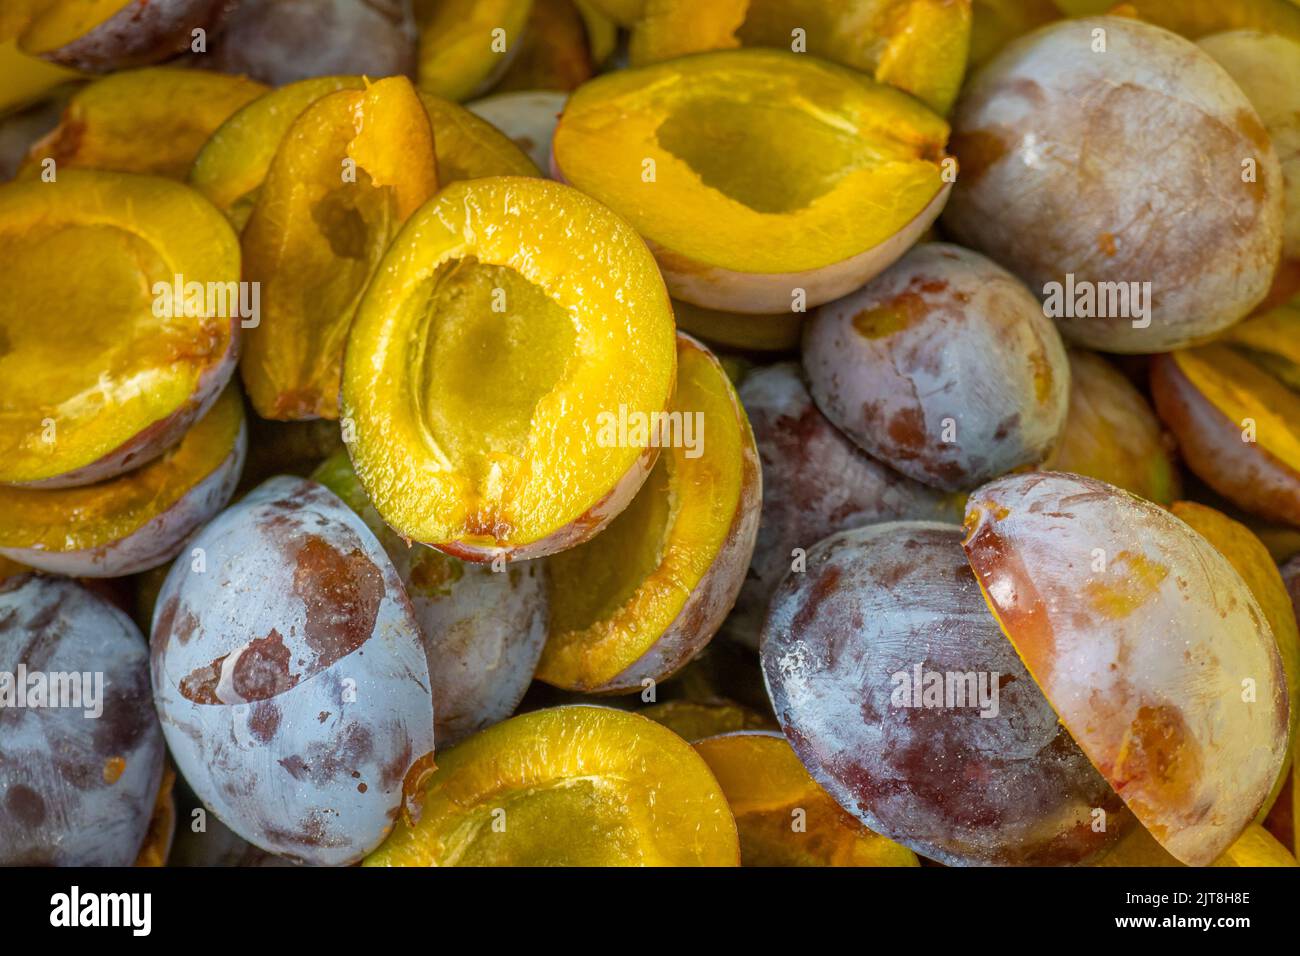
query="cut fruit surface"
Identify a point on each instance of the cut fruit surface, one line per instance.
(507, 316)
(694, 720)
(135, 521)
(466, 45)
(1252, 561)
(110, 375)
(153, 121)
(315, 237)
(919, 46)
(1196, 18)
(639, 600)
(233, 165)
(569, 786)
(1235, 410)
(760, 178)
(783, 816)
(1141, 635)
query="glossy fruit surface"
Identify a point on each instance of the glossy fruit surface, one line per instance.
(569, 786)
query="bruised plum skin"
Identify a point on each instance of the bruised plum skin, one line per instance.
(75, 790)
(1148, 644)
(815, 482)
(483, 629)
(964, 789)
(944, 367)
(281, 41)
(1123, 166)
(290, 676)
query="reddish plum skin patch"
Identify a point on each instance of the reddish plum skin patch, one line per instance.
(290, 676)
(815, 482)
(1009, 789)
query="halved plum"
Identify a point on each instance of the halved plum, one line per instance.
(135, 521)
(317, 234)
(1234, 407)
(569, 786)
(232, 166)
(152, 121)
(760, 178)
(1148, 644)
(507, 320)
(117, 368)
(919, 46)
(783, 816)
(693, 720)
(903, 699)
(102, 35)
(639, 600)
(466, 45)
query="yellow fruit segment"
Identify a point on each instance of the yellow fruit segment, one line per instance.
(92, 516)
(349, 171)
(234, 163)
(783, 816)
(615, 596)
(1255, 847)
(1248, 396)
(753, 160)
(1247, 554)
(465, 44)
(919, 46)
(59, 22)
(153, 121)
(568, 786)
(506, 316)
(85, 363)
(1196, 18)
(694, 720)
(24, 78)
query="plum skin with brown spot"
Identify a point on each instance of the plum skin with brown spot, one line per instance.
(142, 32)
(815, 482)
(75, 790)
(958, 787)
(944, 367)
(1144, 639)
(290, 676)
(1122, 166)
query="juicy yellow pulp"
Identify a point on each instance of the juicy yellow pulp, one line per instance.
(480, 371)
(753, 160)
(55, 24)
(614, 596)
(153, 120)
(1196, 18)
(456, 42)
(770, 793)
(479, 426)
(234, 163)
(83, 359)
(1241, 390)
(919, 46)
(315, 238)
(569, 786)
(77, 519)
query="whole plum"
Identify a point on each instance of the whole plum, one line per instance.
(79, 771)
(290, 676)
(901, 696)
